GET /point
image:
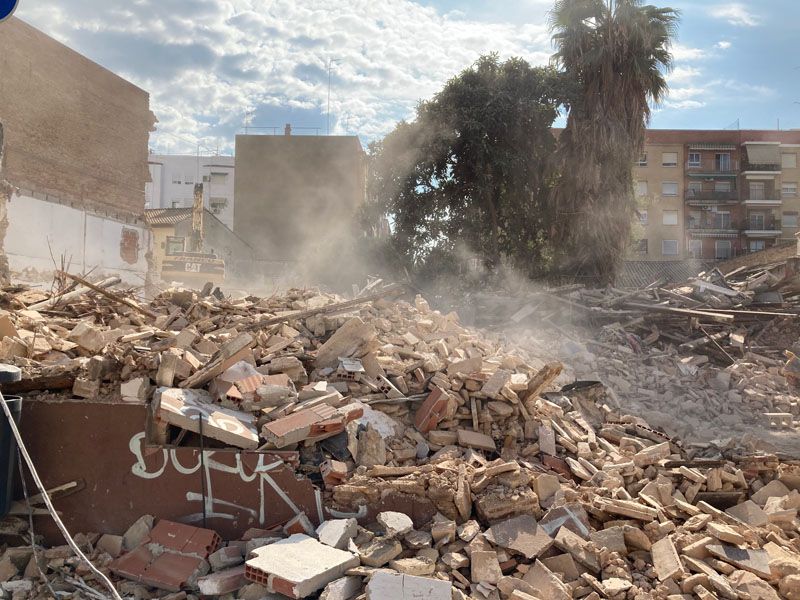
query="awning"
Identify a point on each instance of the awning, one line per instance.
(763, 154)
(711, 146)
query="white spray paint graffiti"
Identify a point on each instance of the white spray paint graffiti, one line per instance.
(215, 506)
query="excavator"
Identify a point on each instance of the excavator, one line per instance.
(194, 267)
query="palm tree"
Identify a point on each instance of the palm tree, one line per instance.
(615, 55)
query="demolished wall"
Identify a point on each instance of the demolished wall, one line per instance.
(75, 131)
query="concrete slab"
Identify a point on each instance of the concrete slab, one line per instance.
(298, 566)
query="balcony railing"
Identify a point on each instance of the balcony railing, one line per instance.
(768, 198)
(704, 225)
(711, 196)
(733, 226)
(768, 167)
(766, 225)
(727, 167)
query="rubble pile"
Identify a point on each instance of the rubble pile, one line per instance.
(462, 469)
(705, 359)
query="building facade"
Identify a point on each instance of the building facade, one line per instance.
(76, 138)
(713, 195)
(173, 177)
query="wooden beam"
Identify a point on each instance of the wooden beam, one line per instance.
(111, 296)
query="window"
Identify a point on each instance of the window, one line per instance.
(217, 204)
(722, 220)
(643, 216)
(757, 221)
(722, 249)
(206, 179)
(642, 162)
(177, 203)
(640, 246)
(695, 188)
(722, 186)
(696, 248)
(722, 162)
(789, 188)
(669, 188)
(176, 178)
(756, 245)
(694, 159)
(174, 244)
(641, 188)
(219, 178)
(188, 179)
(789, 219)
(669, 217)
(669, 159)
(669, 247)
(757, 189)
(789, 160)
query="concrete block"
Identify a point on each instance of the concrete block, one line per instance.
(337, 532)
(298, 566)
(387, 585)
(484, 567)
(111, 544)
(343, 588)
(137, 532)
(395, 523)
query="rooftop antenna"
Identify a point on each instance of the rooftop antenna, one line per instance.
(330, 66)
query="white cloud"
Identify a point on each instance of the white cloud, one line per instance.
(723, 45)
(683, 74)
(685, 104)
(681, 52)
(205, 62)
(735, 14)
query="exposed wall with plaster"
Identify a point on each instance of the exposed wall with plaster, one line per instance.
(40, 231)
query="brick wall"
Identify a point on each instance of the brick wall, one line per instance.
(75, 131)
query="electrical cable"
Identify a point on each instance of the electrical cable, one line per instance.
(46, 497)
(203, 470)
(30, 525)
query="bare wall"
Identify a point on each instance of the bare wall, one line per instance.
(74, 130)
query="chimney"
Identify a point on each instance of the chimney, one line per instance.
(288, 129)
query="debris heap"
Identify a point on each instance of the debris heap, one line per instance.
(461, 468)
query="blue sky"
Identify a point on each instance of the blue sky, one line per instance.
(211, 64)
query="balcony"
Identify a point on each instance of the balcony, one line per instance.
(699, 197)
(722, 228)
(749, 167)
(712, 168)
(762, 228)
(760, 199)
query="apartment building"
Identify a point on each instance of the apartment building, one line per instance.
(712, 195)
(173, 177)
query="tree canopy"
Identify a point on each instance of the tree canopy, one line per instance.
(470, 174)
(479, 172)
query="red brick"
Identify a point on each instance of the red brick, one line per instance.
(431, 411)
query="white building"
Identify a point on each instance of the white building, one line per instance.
(173, 178)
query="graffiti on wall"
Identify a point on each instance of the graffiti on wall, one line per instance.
(263, 475)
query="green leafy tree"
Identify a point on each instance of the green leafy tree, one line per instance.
(616, 54)
(471, 171)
